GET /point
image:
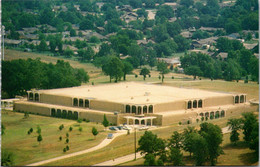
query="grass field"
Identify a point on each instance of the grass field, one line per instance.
(26, 148)
(124, 145)
(88, 67)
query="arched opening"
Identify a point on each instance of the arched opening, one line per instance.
(189, 104)
(31, 96)
(136, 122)
(212, 115)
(70, 115)
(75, 115)
(64, 114)
(53, 112)
(36, 97)
(80, 102)
(242, 99)
(87, 103)
(151, 109)
(201, 114)
(127, 108)
(207, 114)
(237, 99)
(148, 122)
(139, 110)
(217, 114)
(195, 104)
(134, 109)
(58, 113)
(145, 109)
(200, 104)
(142, 122)
(222, 114)
(75, 102)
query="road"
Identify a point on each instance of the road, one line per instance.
(130, 157)
(104, 143)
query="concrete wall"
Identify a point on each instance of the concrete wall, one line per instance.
(106, 106)
(177, 105)
(32, 108)
(172, 119)
(56, 99)
(218, 101)
(98, 117)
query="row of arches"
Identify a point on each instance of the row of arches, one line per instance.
(138, 110)
(240, 99)
(213, 114)
(81, 103)
(194, 104)
(33, 96)
(64, 114)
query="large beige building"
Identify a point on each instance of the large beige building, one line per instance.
(131, 103)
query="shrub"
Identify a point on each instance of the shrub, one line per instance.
(67, 135)
(29, 132)
(179, 123)
(87, 120)
(79, 120)
(149, 75)
(207, 118)
(70, 129)
(202, 118)
(136, 75)
(60, 138)
(211, 117)
(159, 77)
(188, 122)
(172, 77)
(26, 115)
(197, 120)
(84, 119)
(67, 148)
(67, 140)
(64, 150)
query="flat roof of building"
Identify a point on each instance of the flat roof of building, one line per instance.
(133, 93)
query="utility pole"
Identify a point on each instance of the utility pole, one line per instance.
(135, 143)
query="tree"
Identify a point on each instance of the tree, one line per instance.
(193, 70)
(7, 158)
(149, 160)
(199, 149)
(144, 72)
(128, 68)
(188, 139)
(214, 137)
(249, 120)
(2, 129)
(39, 138)
(113, 68)
(68, 52)
(70, 129)
(187, 3)
(61, 127)
(67, 140)
(176, 157)
(105, 121)
(176, 140)
(94, 132)
(162, 67)
(234, 126)
(39, 130)
(42, 46)
(80, 129)
(254, 138)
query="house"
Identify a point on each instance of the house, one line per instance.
(186, 34)
(210, 29)
(173, 5)
(30, 30)
(13, 43)
(222, 56)
(250, 46)
(174, 62)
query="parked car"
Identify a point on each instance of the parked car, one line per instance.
(113, 128)
(110, 136)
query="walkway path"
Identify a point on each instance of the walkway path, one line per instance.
(130, 157)
(104, 143)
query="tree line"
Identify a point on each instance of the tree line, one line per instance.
(22, 75)
(239, 63)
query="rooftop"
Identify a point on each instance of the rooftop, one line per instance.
(133, 93)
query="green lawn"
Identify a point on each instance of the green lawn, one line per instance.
(124, 145)
(26, 148)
